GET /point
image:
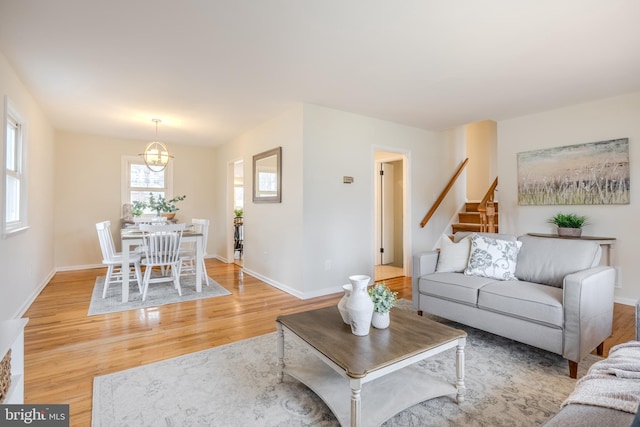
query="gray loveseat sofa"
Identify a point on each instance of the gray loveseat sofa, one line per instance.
(555, 296)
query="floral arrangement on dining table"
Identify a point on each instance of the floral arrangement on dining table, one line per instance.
(158, 204)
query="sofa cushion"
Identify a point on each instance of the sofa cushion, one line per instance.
(494, 258)
(548, 260)
(453, 286)
(453, 257)
(525, 300)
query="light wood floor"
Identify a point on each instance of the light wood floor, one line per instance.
(65, 349)
(386, 272)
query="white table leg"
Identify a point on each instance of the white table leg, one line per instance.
(125, 268)
(356, 402)
(199, 256)
(280, 351)
(460, 370)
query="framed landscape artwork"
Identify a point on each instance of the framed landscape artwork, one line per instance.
(596, 173)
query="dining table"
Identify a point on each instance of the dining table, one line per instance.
(132, 238)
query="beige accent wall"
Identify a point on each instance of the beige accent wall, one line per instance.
(88, 190)
(481, 141)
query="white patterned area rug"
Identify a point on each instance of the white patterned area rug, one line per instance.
(157, 295)
(508, 384)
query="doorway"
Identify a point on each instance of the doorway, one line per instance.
(390, 197)
(238, 212)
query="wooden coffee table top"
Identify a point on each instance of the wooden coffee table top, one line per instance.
(408, 335)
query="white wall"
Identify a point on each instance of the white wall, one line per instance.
(447, 214)
(590, 122)
(272, 231)
(26, 258)
(88, 190)
(323, 230)
(338, 233)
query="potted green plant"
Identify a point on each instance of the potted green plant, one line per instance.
(383, 300)
(238, 219)
(138, 207)
(166, 208)
(569, 225)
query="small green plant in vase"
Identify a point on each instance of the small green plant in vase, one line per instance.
(161, 205)
(383, 300)
(569, 225)
(138, 207)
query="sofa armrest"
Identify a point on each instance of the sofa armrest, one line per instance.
(588, 310)
(423, 263)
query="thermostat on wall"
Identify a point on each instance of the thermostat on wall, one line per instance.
(347, 179)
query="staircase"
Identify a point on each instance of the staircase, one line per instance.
(469, 219)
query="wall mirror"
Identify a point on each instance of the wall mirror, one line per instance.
(267, 176)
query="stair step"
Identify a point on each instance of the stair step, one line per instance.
(473, 206)
(467, 227)
(471, 217)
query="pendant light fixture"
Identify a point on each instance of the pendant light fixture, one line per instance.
(156, 156)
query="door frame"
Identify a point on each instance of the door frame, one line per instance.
(404, 155)
(229, 214)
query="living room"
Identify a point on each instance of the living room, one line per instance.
(74, 174)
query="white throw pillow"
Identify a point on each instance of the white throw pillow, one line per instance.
(492, 258)
(453, 257)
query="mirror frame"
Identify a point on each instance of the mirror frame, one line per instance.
(269, 197)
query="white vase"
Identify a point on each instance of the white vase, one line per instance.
(342, 305)
(359, 305)
(380, 320)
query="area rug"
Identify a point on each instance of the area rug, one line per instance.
(508, 384)
(157, 295)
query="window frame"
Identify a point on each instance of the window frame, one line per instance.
(12, 114)
(125, 180)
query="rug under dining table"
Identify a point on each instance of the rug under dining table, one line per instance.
(157, 295)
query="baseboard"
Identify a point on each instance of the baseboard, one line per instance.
(295, 292)
(80, 267)
(626, 301)
(273, 283)
(22, 310)
(221, 259)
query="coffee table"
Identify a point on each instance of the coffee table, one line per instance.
(385, 359)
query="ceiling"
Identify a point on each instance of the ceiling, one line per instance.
(212, 69)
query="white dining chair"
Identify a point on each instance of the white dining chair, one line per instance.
(113, 259)
(161, 249)
(188, 251)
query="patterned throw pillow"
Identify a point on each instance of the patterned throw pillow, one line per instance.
(492, 258)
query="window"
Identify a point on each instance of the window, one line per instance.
(238, 185)
(138, 181)
(238, 197)
(14, 216)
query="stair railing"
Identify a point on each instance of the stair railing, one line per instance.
(444, 193)
(487, 210)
